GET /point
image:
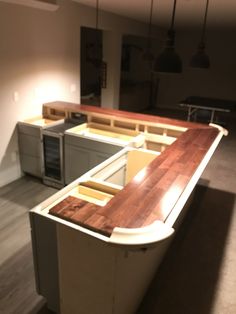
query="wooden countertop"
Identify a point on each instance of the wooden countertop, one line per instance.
(154, 192)
(71, 107)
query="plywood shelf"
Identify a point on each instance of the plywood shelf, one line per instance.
(40, 121)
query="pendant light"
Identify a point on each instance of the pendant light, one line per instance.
(99, 62)
(98, 59)
(148, 55)
(200, 59)
(169, 61)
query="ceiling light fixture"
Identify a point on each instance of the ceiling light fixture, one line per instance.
(200, 59)
(169, 61)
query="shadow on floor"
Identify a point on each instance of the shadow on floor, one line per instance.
(186, 281)
(44, 310)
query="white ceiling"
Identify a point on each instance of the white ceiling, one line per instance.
(221, 12)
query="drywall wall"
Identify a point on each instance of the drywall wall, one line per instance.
(40, 62)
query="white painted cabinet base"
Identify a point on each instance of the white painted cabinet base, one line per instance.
(97, 277)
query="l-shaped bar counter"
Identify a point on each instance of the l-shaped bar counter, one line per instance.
(98, 241)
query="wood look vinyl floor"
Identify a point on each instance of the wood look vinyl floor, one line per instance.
(17, 287)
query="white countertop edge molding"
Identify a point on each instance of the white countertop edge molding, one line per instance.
(220, 128)
(153, 233)
(133, 237)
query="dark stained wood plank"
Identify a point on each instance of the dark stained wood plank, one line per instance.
(84, 213)
(55, 210)
(101, 224)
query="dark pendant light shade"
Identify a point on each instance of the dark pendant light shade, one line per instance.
(169, 61)
(200, 59)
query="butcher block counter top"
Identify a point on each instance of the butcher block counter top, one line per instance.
(159, 188)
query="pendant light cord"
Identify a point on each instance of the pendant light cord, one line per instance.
(173, 16)
(204, 23)
(97, 8)
(150, 20)
(169, 61)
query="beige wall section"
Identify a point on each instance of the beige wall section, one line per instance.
(40, 62)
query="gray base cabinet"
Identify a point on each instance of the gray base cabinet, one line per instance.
(44, 245)
(30, 149)
(82, 154)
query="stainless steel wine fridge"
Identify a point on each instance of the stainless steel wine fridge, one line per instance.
(53, 151)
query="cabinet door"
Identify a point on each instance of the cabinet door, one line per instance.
(31, 165)
(30, 149)
(77, 162)
(45, 255)
(98, 157)
(29, 145)
(82, 154)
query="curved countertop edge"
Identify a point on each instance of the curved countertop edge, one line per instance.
(153, 233)
(220, 128)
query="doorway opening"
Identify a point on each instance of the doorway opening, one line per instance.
(90, 66)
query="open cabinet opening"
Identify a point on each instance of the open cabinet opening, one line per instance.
(123, 169)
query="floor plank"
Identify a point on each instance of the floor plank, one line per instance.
(17, 287)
